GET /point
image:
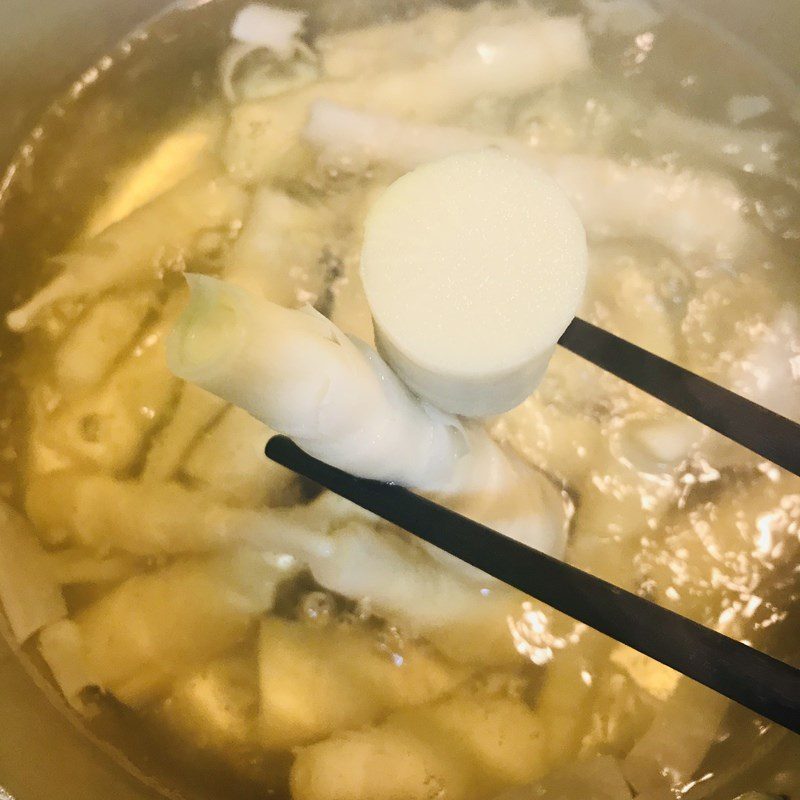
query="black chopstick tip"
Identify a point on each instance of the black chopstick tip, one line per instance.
(279, 448)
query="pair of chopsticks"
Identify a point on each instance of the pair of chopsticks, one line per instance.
(754, 679)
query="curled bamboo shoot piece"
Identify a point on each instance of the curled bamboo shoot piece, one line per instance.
(300, 375)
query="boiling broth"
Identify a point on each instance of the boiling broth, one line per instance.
(707, 530)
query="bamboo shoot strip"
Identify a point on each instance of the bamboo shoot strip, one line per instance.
(29, 593)
(686, 212)
(195, 412)
(227, 462)
(132, 250)
(525, 54)
(297, 373)
(89, 351)
(393, 45)
(154, 628)
(275, 29)
(150, 519)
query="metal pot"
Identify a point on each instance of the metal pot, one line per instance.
(44, 44)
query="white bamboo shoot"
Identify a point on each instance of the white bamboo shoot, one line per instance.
(473, 243)
(297, 373)
(148, 519)
(134, 249)
(195, 411)
(157, 627)
(228, 462)
(401, 581)
(508, 58)
(279, 251)
(685, 212)
(29, 593)
(108, 329)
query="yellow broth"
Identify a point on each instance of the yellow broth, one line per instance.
(713, 533)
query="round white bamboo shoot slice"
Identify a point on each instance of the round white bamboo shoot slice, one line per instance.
(473, 267)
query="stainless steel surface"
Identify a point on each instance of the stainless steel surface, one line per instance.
(44, 44)
(43, 756)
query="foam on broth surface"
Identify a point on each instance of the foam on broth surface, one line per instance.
(660, 506)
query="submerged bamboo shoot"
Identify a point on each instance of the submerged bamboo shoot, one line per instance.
(468, 746)
(195, 411)
(137, 247)
(148, 519)
(403, 583)
(29, 593)
(317, 679)
(99, 338)
(107, 427)
(280, 248)
(685, 212)
(158, 627)
(507, 58)
(228, 463)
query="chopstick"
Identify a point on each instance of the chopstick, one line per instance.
(757, 428)
(754, 679)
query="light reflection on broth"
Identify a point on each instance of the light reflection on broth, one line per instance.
(105, 450)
